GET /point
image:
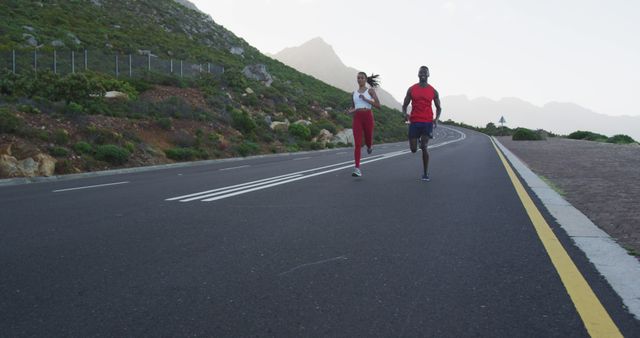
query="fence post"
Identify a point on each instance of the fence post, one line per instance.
(55, 62)
(222, 69)
(180, 68)
(129, 65)
(171, 66)
(35, 61)
(117, 70)
(208, 67)
(14, 61)
(73, 62)
(149, 62)
(86, 59)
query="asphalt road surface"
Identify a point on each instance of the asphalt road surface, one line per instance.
(291, 246)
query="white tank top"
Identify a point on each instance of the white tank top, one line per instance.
(359, 103)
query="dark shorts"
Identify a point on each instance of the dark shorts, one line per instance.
(418, 129)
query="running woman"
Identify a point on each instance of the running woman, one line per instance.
(421, 122)
(361, 102)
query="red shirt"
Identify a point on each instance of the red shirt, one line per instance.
(421, 99)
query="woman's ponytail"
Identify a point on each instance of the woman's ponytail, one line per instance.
(372, 80)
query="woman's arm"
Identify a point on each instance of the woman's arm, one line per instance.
(375, 102)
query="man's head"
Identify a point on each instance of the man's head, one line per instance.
(423, 74)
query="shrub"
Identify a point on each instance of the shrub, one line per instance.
(112, 153)
(587, 135)
(300, 131)
(63, 167)
(524, 134)
(9, 122)
(184, 154)
(621, 139)
(61, 136)
(74, 108)
(102, 136)
(165, 123)
(130, 147)
(247, 148)
(242, 121)
(83, 148)
(328, 125)
(59, 151)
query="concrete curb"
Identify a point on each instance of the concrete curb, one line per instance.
(40, 179)
(621, 270)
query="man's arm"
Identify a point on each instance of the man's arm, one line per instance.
(407, 100)
(436, 101)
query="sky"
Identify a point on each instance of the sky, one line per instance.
(584, 52)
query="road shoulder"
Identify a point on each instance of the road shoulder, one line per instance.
(621, 270)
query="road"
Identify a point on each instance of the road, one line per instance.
(291, 246)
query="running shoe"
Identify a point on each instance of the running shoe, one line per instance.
(369, 150)
(356, 172)
(426, 178)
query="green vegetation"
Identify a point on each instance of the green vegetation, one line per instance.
(587, 135)
(591, 136)
(9, 122)
(59, 151)
(112, 153)
(300, 131)
(83, 148)
(553, 186)
(621, 139)
(194, 121)
(185, 154)
(524, 134)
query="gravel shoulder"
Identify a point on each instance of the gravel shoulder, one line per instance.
(602, 180)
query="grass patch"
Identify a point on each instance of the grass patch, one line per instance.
(553, 186)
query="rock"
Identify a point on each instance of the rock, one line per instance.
(328, 108)
(8, 166)
(325, 136)
(276, 125)
(303, 122)
(249, 90)
(28, 28)
(116, 95)
(258, 72)
(344, 136)
(5, 149)
(46, 164)
(57, 43)
(324, 114)
(267, 119)
(28, 167)
(97, 2)
(236, 50)
(31, 40)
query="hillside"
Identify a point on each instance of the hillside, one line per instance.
(257, 105)
(318, 59)
(560, 118)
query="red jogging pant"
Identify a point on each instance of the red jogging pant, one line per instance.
(362, 124)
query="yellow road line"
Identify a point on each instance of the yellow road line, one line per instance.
(594, 316)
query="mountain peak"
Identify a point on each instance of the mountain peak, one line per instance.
(318, 58)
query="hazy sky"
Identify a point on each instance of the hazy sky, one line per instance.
(584, 52)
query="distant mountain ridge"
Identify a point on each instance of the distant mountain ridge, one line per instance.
(557, 117)
(318, 59)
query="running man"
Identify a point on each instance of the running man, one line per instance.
(421, 122)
